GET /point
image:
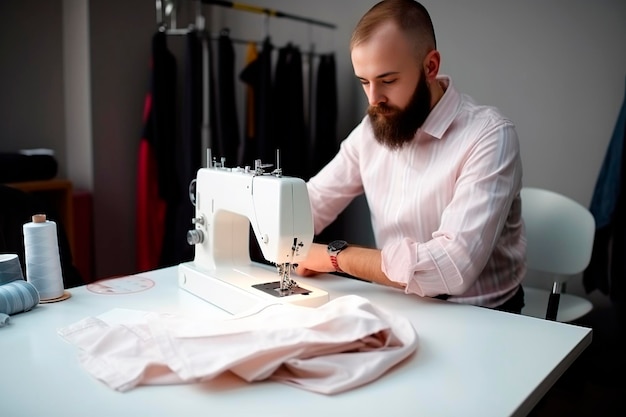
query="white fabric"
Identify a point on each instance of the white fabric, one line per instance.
(341, 345)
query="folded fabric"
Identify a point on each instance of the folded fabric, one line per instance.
(341, 345)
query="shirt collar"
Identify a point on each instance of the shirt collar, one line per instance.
(444, 112)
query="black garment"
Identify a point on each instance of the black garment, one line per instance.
(289, 126)
(17, 209)
(325, 144)
(163, 117)
(247, 149)
(162, 137)
(258, 74)
(188, 155)
(226, 106)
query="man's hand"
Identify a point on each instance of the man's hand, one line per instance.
(317, 261)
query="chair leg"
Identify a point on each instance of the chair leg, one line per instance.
(553, 301)
(553, 306)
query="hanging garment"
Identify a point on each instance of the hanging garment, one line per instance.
(258, 74)
(247, 151)
(192, 116)
(188, 154)
(288, 111)
(226, 108)
(344, 344)
(607, 268)
(325, 142)
(156, 174)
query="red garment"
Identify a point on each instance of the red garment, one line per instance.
(157, 188)
(150, 207)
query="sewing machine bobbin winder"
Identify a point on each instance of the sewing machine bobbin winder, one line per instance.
(227, 202)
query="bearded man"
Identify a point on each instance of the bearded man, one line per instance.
(441, 174)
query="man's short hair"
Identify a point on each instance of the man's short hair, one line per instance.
(410, 16)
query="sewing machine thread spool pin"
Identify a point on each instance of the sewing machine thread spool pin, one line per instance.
(259, 167)
(278, 171)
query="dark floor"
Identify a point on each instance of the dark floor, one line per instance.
(595, 385)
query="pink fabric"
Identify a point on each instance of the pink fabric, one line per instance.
(341, 345)
(445, 209)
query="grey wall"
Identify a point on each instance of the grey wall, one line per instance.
(31, 76)
(556, 67)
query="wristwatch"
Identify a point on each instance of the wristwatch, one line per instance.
(334, 248)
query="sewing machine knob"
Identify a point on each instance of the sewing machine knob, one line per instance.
(197, 220)
(195, 236)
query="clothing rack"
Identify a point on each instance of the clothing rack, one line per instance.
(192, 22)
(167, 9)
(166, 19)
(268, 12)
(276, 13)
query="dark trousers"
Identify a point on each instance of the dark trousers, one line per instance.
(512, 305)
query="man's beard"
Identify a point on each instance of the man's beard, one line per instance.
(394, 127)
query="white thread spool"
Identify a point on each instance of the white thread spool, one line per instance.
(43, 264)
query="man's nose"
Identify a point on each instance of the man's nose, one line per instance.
(375, 95)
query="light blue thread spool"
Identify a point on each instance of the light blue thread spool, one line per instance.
(10, 268)
(16, 295)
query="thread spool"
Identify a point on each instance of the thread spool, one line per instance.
(16, 295)
(10, 268)
(43, 263)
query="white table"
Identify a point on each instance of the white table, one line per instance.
(470, 361)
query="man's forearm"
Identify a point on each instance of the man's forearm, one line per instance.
(364, 263)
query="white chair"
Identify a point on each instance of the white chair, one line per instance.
(560, 234)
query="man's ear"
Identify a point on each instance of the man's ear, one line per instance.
(431, 64)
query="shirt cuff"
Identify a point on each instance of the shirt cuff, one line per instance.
(424, 269)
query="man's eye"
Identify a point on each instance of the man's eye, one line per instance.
(364, 82)
(389, 81)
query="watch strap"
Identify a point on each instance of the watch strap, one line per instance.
(333, 260)
(334, 248)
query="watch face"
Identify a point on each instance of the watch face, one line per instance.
(337, 246)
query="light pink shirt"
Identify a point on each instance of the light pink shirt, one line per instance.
(343, 344)
(445, 209)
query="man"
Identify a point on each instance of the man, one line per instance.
(441, 174)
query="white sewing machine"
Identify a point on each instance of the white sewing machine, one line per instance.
(228, 201)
